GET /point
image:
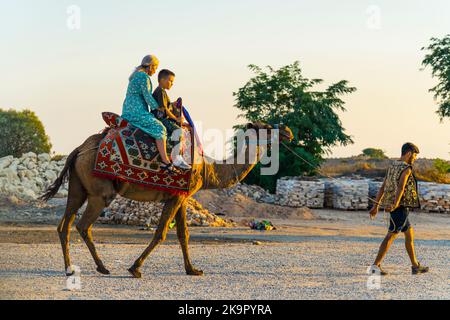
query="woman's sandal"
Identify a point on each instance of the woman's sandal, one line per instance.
(170, 168)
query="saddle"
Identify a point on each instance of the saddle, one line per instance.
(129, 154)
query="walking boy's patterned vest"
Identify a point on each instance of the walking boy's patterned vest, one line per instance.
(410, 196)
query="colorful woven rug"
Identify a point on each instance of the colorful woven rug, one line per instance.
(129, 154)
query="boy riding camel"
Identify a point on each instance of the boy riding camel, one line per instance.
(169, 113)
(397, 195)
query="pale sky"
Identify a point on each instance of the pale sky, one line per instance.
(69, 76)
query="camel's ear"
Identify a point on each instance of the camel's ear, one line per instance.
(250, 126)
(258, 125)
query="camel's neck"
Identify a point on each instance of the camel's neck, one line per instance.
(231, 171)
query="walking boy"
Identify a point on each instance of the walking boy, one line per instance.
(397, 195)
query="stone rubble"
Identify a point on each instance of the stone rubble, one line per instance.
(328, 195)
(354, 194)
(347, 194)
(374, 187)
(294, 192)
(434, 197)
(254, 192)
(27, 177)
(126, 211)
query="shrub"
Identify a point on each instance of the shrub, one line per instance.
(21, 132)
(441, 166)
(374, 153)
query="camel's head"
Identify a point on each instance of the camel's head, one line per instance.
(285, 133)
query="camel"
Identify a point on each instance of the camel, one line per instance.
(100, 192)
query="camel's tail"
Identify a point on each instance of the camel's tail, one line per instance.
(53, 189)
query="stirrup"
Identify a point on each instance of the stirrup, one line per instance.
(170, 168)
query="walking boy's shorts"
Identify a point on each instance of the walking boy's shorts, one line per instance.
(399, 220)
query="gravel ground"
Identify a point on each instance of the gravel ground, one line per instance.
(323, 259)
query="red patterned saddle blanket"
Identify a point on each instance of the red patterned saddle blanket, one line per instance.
(129, 154)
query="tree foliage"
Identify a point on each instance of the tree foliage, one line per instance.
(438, 58)
(21, 132)
(286, 96)
(374, 153)
(442, 166)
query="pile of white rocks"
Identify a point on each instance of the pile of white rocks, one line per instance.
(344, 194)
(295, 192)
(352, 194)
(254, 192)
(348, 194)
(328, 194)
(27, 177)
(126, 211)
(434, 197)
(374, 187)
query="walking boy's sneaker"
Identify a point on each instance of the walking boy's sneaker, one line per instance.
(419, 269)
(379, 269)
(382, 271)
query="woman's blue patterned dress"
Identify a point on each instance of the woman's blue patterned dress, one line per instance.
(135, 107)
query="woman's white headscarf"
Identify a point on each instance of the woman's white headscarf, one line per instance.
(147, 61)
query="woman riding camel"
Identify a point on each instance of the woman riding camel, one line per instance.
(136, 109)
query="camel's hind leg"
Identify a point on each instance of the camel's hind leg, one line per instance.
(169, 211)
(76, 197)
(84, 226)
(183, 237)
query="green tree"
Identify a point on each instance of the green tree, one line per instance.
(438, 58)
(442, 166)
(21, 132)
(374, 153)
(286, 96)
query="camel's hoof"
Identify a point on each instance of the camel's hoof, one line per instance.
(194, 272)
(135, 273)
(103, 270)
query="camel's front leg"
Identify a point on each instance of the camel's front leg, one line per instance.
(183, 237)
(169, 211)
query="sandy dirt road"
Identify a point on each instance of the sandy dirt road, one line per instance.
(315, 259)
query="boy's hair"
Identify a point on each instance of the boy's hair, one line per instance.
(409, 146)
(164, 73)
